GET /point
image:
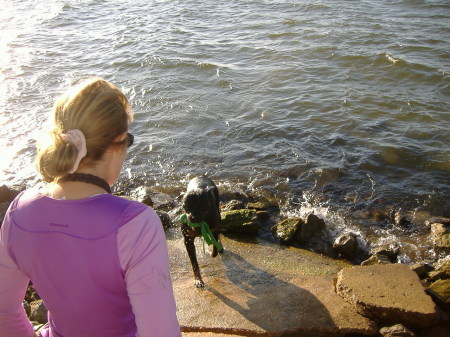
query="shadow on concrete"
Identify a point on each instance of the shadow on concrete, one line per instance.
(276, 306)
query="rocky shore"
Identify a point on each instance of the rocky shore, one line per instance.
(301, 284)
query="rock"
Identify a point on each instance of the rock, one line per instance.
(7, 194)
(389, 293)
(377, 215)
(421, 269)
(346, 245)
(390, 252)
(442, 220)
(176, 212)
(285, 230)
(444, 267)
(234, 194)
(397, 330)
(262, 205)
(143, 195)
(31, 295)
(257, 205)
(376, 259)
(162, 202)
(401, 219)
(436, 331)
(440, 234)
(27, 307)
(38, 312)
(262, 216)
(234, 205)
(242, 221)
(3, 208)
(165, 218)
(311, 225)
(438, 275)
(440, 290)
(156, 200)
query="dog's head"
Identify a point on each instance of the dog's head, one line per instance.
(197, 204)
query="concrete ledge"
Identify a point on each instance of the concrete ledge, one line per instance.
(263, 290)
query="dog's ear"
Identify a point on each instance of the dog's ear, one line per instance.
(210, 190)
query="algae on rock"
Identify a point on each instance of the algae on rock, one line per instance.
(240, 221)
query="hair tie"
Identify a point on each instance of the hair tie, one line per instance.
(76, 137)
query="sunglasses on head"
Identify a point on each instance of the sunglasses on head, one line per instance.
(130, 139)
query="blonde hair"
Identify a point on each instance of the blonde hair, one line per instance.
(95, 107)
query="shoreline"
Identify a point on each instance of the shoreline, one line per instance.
(255, 257)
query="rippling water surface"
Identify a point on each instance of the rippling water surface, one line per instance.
(340, 107)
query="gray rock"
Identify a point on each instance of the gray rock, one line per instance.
(397, 330)
(440, 234)
(444, 267)
(143, 195)
(401, 219)
(310, 226)
(262, 216)
(346, 245)
(38, 312)
(242, 221)
(436, 331)
(3, 208)
(389, 293)
(234, 205)
(165, 219)
(421, 269)
(27, 307)
(390, 252)
(376, 259)
(442, 220)
(156, 200)
(7, 194)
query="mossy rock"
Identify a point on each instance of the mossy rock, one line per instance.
(240, 221)
(287, 229)
(261, 205)
(440, 290)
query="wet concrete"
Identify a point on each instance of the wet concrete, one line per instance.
(261, 289)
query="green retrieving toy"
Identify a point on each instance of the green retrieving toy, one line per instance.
(206, 232)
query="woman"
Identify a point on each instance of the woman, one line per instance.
(98, 261)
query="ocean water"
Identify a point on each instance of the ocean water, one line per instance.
(337, 107)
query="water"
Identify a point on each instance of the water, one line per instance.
(337, 107)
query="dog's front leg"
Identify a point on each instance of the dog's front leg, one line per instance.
(190, 247)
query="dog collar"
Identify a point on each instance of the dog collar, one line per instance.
(205, 230)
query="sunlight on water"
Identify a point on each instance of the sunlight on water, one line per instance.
(334, 107)
(7, 154)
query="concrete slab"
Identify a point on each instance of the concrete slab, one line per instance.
(391, 293)
(260, 289)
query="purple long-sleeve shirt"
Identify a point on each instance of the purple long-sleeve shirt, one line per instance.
(100, 251)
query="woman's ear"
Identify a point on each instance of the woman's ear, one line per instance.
(120, 138)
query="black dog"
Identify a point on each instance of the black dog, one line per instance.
(201, 203)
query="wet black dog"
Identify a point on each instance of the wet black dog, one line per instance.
(201, 203)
